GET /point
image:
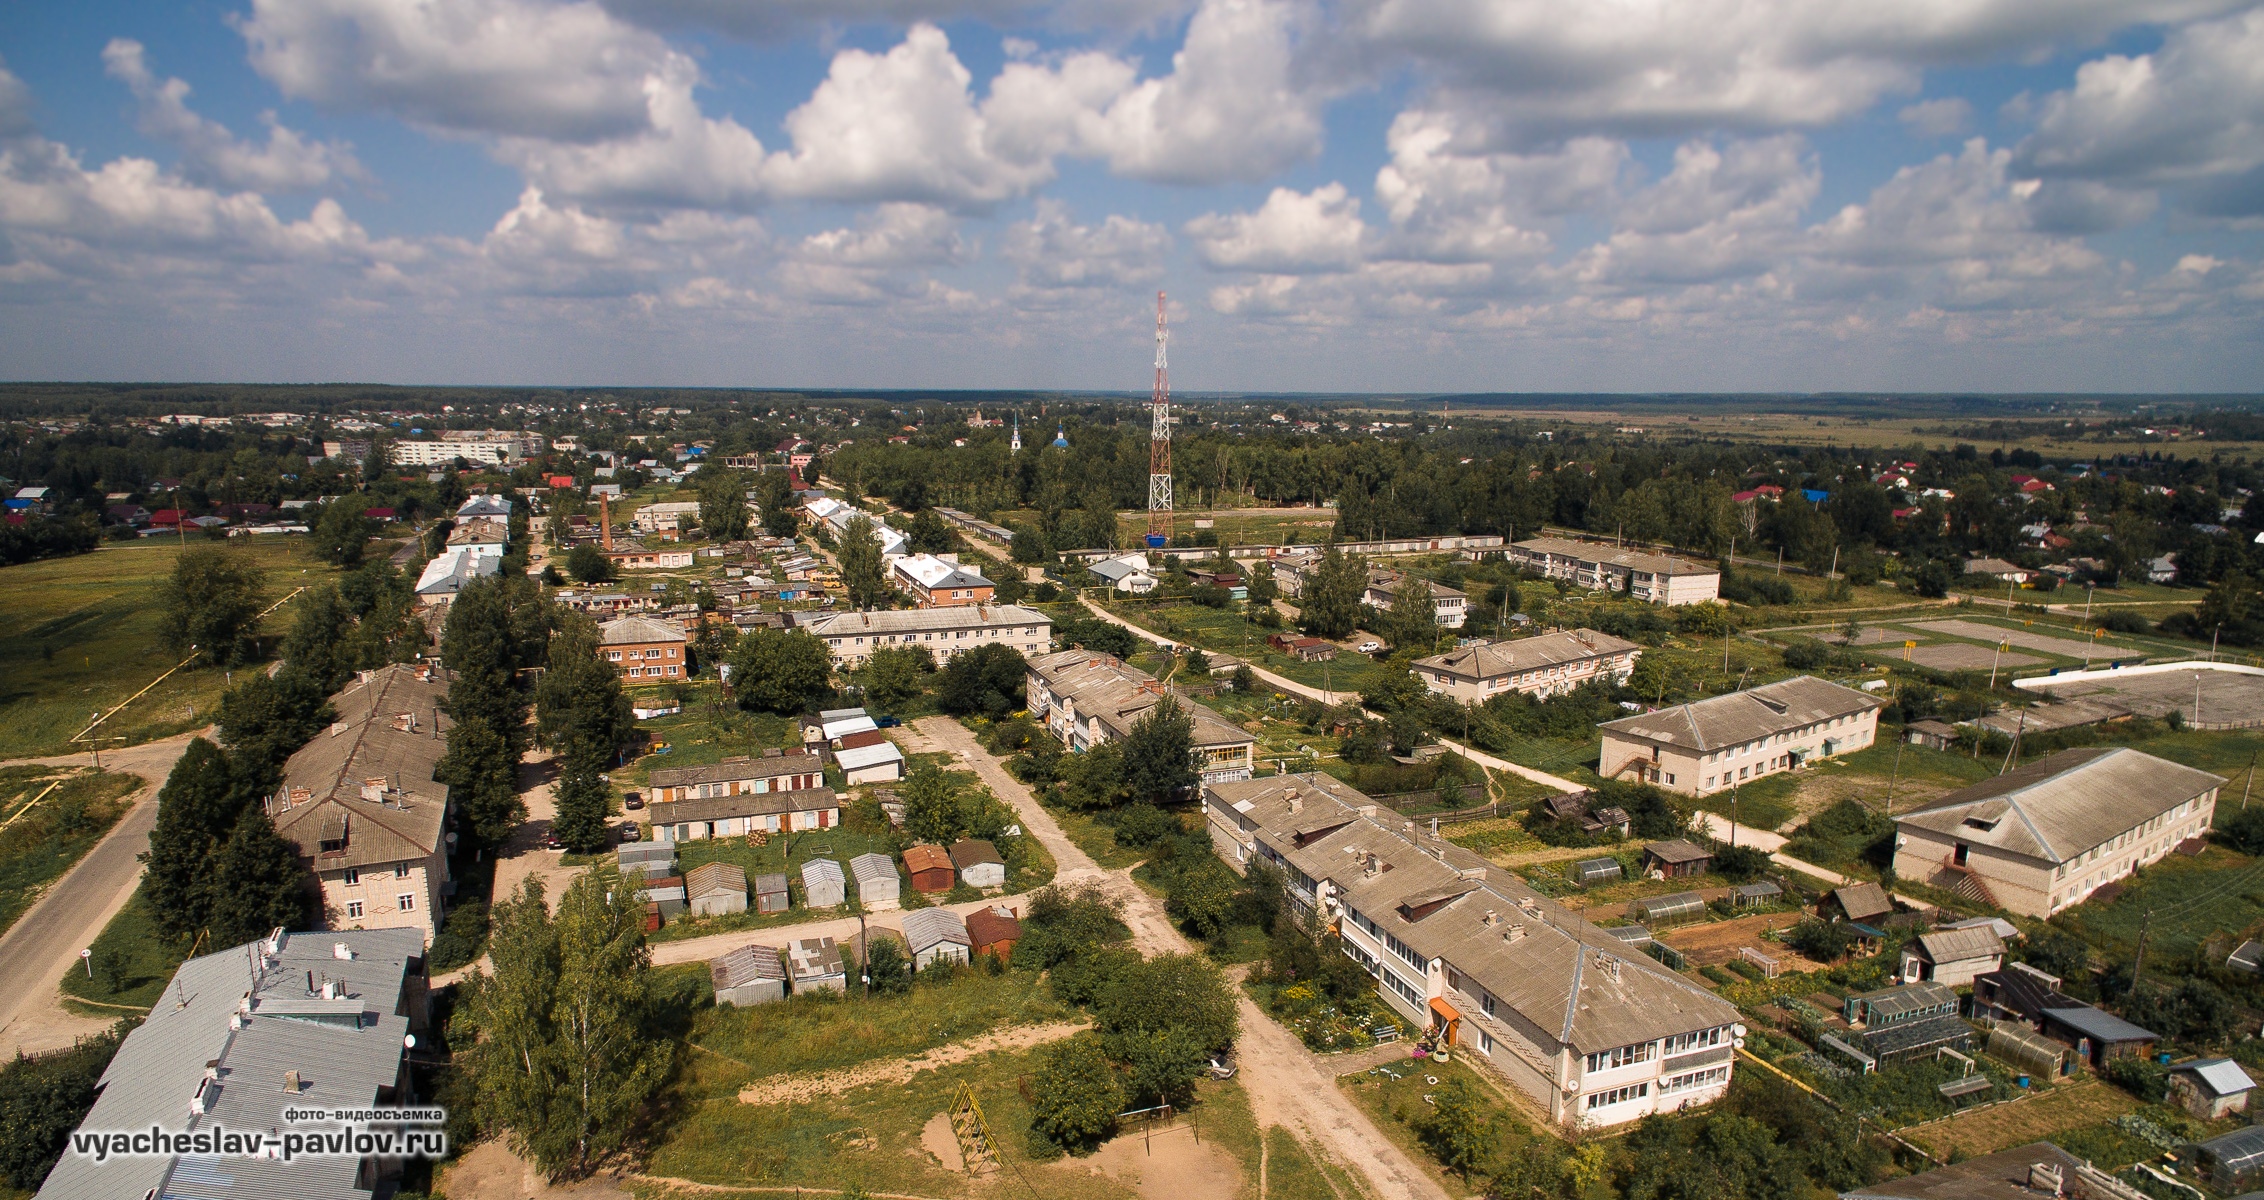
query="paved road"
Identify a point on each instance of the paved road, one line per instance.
(45, 942)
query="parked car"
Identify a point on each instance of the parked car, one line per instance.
(886, 722)
(633, 800)
(1369, 647)
(550, 842)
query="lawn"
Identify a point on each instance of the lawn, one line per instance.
(1225, 631)
(149, 961)
(1784, 800)
(74, 810)
(2190, 899)
(709, 730)
(2038, 1117)
(79, 634)
(1397, 1105)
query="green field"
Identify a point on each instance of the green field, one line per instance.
(41, 841)
(2217, 894)
(79, 634)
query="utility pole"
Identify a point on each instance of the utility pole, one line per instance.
(2197, 698)
(2138, 963)
(1894, 777)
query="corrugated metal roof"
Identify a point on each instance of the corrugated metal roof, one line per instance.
(857, 758)
(745, 804)
(874, 868)
(1959, 945)
(740, 769)
(715, 877)
(639, 631)
(1489, 659)
(2063, 805)
(1740, 717)
(747, 964)
(925, 928)
(2222, 1076)
(823, 868)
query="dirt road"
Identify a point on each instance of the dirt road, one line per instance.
(45, 942)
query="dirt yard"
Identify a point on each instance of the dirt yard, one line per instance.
(1169, 1164)
(491, 1172)
(2034, 1118)
(1717, 943)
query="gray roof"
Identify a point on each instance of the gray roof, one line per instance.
(738, 768)
(347, 1052)
(929, 927)
(928, 620)
(1101, 686)
(387, 739)
(1632, 560)
(1677, 850)
(1959, 945)
(2098, 1025)
(814, 958)
(2219, 1076)
(821, 868)
(859, 757)
(1489, 659)
(747, 964)
(715, 877)
(1740, 717)
(1861, 901)
(2063, 805)
(745, 804)
(639, 631)
(1113, 569)
(770, 883)
(1999, 1176)
(874, 868)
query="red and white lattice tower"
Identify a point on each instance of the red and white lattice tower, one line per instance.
(1159, 443)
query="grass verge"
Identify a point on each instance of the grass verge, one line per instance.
(44, 841)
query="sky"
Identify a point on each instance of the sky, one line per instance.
(1336, 195)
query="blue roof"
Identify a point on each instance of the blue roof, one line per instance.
(1815, 497)
(2097, 1025)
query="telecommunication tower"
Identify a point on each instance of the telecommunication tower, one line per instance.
(1159, 443)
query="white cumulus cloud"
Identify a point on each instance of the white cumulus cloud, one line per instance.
(1051, 251)
(1292, 233)
(212, 154)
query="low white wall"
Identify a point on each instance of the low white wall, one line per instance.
(2035, 682)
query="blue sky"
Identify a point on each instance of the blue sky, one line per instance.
(1340, 195)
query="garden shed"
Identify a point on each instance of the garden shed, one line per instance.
(2234, 1159)
(1661, 910)
(878, 886)
(823, 885)
(712, 889)
(770, 893)
(2211, 1088)
(1677, 858)
(1589, 872)
(639, 859)
(1907, 1040)
(1767, 891)
(2099, 1036)
(978, 863)
(747, 976)
(936, 934)
(2025, 1049)
(1952, 956)
(815, 963)
(930, 868)
(994, 931)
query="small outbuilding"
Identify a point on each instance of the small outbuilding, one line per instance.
(2100, 1037)
(1589, 872)
(2211, 1088)
(637, 860)
(823, 884)
(930, 869)
(665, 896)
(878, 886)
(770, 893)
(1677, 858)
(713, 889)
(880, 763)
(2024, 1049)
(1666, 910)
(1863, 903)
(1748, 895)
(815, 965)
(749, 975)
(1895, 1005)
(978, 863)
(994, 931)
(936, 934)
(1952, 956)
(1934, 735)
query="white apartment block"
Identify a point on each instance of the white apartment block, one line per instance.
(1537, 666)
(851, 637)
(486, 446)
(1658, 578)
(1715, 744)
(1449, 607)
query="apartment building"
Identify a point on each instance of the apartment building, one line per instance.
(2040, 838)
(1449, 607)
(360, 803)
(1596, 1033)
(852, 637)
(1658, 578)
(486, 446)
(481, 535)
(1715, 744)
(644, 650)
(1537, 666)
(940, 582)
(1086, 698)
(666, 519)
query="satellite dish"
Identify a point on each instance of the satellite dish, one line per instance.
(408, 1041)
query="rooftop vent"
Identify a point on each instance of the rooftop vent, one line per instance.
(2046, 1177)
(1515, 933)
(1490, 919)
(342, 951)
(292, 1084)
(1296, 802)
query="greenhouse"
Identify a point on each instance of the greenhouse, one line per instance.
(1633, 935)
(2234, 1159)
(1589, 872)
(2025, 1049)
(1917, 1039)
(1681, 906)
(1764, 892)
(1903, 1002)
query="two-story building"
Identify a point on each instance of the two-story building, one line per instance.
(643, 649)
(937, 582)
(2042, 837)
(1658, 578)
(728, 815)
(1538, 666)
(1594, 1032)
(1086, 698)
(361, 806)
(743, 774)
(1449, 607)
(1715, 744)
(482, 535)
(851, 637)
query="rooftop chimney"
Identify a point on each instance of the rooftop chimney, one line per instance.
(1296, 802)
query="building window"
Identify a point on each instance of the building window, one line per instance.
(1694, 1080)
(406, 901)
(353, 877)
(354, 910)
(1618, 1095)
(400, 870)
(1605, 1060)
(1684, 1042)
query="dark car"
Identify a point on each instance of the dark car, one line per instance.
(886, 722)
(633, 800)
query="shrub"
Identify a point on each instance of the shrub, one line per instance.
(1074, 1097)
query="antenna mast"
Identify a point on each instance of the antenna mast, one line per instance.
(1159, 444)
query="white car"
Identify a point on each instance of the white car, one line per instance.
(1369, 647)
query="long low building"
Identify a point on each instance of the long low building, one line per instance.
(1087, 698)
(1537, 666)
(1595, 1032)
(851, 637)
(1715, 744)
(748, 812)
(2042, 837)
(1658, 578)
(742, 774)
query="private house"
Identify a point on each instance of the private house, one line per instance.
(774, 771)
(978, 863)
(1539, 666)
(745, 813)
(930, 869)
(1087, 698)
(1676, 858)
(937, 582)
(713, 889)
(994, 931)
(1952, 956)
(823, 884)
(748, 976)
(1996, 569)
(878, 887)
(643, 649)
(2210, 1088)
(1303, 649)
(851, 637)
(815, 964)
(936, 935)
(360, 805)
(771, 896)
(1593, 1031)
(1714, 744)
(242, 1036)
(2042, 837)
(1128, 574)
(1658, 578)
(1449, 606)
